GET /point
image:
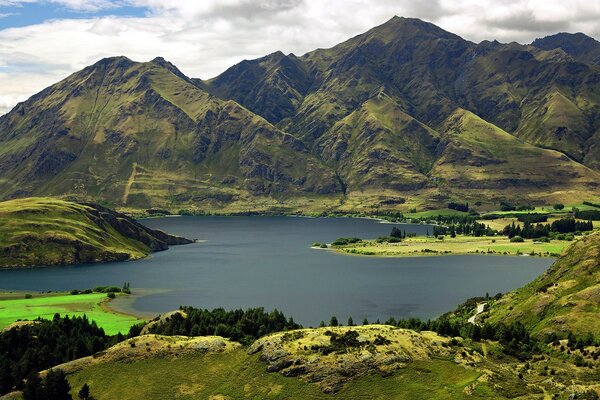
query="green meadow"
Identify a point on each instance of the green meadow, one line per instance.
(93, 305)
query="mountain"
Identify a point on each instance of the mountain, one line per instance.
(42, 231)
(405, 113)
(142, 134)
(566, 298)
(363, 93)
(578, 45)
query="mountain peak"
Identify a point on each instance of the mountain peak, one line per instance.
(579, 45)
(404, 28)
(113, 61)
(161, 62)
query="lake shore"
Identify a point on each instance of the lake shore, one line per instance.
(461, 245)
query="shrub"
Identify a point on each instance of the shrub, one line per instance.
(28, 296)
(559, 206)
(517, 239)
(111, 295)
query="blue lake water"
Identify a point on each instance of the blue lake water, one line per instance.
(267, 261)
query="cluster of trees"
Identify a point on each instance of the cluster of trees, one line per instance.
(472, 228)
(531, 231)
(54, 386)
(464, 207)
(532, 217)
(47, 343)
(504, 206)
(243, 326)
(103, 289)
(346, 241)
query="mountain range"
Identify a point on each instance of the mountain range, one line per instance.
(404, 115)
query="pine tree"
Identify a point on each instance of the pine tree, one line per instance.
(56, 385)
(84, 392)
(33, 389)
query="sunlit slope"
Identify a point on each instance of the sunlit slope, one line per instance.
(566, 298)
(44, 231)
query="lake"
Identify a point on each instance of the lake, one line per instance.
(267, 261)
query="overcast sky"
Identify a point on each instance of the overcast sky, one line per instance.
(42, 42)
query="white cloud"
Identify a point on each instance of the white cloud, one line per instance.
(205, 37)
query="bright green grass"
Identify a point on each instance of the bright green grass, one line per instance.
(45, 306)
(235, 375)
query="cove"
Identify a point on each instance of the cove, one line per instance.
(267, 261)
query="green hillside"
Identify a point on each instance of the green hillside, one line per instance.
(566, 298)
(44, 231)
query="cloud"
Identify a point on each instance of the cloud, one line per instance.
(205, 37)
(75, 5)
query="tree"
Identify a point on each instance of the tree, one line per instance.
(396, 233)
(84, 392)
(7, 380)
(333, 321)
(350, 321)
(33, 389)
(56, 386)
(559, 206)
(365, 322)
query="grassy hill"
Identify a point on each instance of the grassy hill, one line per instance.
(44, 231)
(352, 362)
(413, 365)
(566, 298)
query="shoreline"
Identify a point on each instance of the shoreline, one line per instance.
(431, 247)
(123, 305)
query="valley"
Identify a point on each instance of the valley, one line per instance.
(407, 214)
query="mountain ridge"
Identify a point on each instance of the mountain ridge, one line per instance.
(338, 128)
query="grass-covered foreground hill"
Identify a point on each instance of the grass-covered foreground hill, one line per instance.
(375, 362)
(43, 231)
(566, 298)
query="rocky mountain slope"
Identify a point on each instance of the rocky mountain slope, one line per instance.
(405, 113)
(42, 231)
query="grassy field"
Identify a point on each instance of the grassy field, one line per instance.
(427, 246)
(45, 305)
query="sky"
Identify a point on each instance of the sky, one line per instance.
(43, 41)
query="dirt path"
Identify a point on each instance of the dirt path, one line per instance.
(129, 183)
(480, 309)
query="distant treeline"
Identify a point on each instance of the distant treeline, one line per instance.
(561, 226)
(589, 203)
(593, 215)
(243, 326)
